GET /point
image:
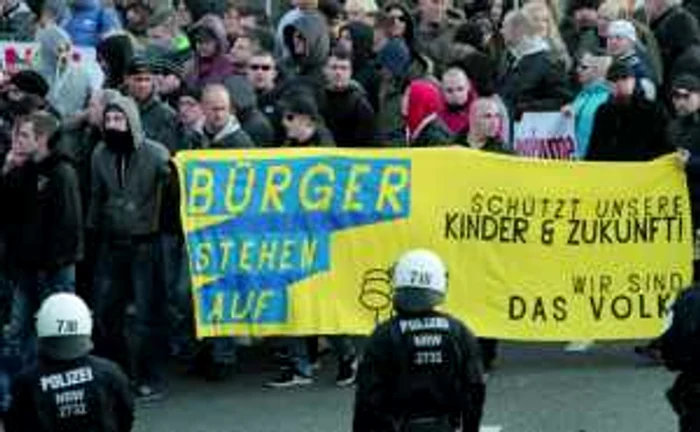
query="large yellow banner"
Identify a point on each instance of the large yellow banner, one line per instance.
(300, 241)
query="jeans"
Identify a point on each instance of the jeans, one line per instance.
(180, 313)
(297, 351)
(127, 275)
(30, 291)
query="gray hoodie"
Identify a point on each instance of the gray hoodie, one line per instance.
(70, 86)
(133, 209)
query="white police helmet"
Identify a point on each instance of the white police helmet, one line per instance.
(420, 281)
(64, 327)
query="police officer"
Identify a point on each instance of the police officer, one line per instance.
(69, 390)
(422, 369)
(680, 351)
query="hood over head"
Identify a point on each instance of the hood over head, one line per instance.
(243, 96)
(116, 51)
(424, 100)
(362, 36)
(314, 29)
(49, 39)
(128, 106)
(214, 26)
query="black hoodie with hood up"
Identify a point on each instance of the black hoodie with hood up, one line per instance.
(253, 121)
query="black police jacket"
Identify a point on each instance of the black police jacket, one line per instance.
(419, 366)
(89, 394)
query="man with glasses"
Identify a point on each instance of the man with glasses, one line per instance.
(263, 77)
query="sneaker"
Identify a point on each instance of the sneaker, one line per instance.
(347, 372)
(145, 393)
(290, 378)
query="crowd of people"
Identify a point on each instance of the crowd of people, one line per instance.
(90, 196)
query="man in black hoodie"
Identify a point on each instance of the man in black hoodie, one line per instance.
(45, 221)
(628, 127)
(264, 78)
(349, 115)
(129, 176)
(303, 123)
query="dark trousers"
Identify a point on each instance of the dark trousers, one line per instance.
(489, 351)
(127, 273)
(684, 398)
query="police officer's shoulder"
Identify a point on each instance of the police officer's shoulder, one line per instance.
(106, 367)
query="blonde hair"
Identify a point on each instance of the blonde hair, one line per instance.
(553, 36)
(614, 9)
(553, 6)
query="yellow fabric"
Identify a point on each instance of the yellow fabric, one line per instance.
(299, 241)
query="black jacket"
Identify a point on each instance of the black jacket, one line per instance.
(675, 31)
(629, 131)
(536, 82)
(350, 117)
(231, 136)
(433, 134)
(159, 122)
(87, 394)
(679, 345)
(44, 221)
(397, 380)
(684, 132)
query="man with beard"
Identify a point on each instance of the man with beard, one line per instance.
(128, 178)
(459, 95)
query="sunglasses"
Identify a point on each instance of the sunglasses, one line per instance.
(261, 67)
(397, 18)
(289, 117)
(583, 67)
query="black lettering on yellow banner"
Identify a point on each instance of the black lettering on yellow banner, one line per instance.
(626, 306)
(502, 229)
(537, 309)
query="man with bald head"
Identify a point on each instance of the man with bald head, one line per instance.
(221, 127)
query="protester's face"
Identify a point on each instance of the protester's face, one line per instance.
(433, 11)
(585, 69)
(338, 72)
(586, 17)
(540, 18)
(205, 46)
(624, 87)
(617, 46)
(167, 84)
(241, 51)
(232, 20)
(487, 119)
(496, 11)
(189, 111)
(455, 87)
(397, 22)
(217, 109)
(116, 121)
(24, 140)
(299, 44)
(140, 86)
(604, 20)
(262, 72)
(294, 125)
(685, 102)
(182, 16)
(137, 18)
